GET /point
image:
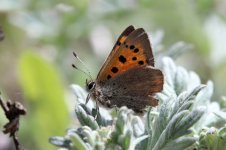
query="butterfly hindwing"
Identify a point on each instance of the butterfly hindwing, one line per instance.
(135, 87)
(133, 51)
(138, 81)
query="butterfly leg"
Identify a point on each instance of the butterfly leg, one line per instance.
(87, 98)
(97, 110)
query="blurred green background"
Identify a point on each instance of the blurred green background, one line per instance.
(40, 36)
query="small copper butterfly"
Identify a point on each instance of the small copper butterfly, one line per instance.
(128, 77)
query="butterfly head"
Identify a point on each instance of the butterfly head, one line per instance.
(90, 85)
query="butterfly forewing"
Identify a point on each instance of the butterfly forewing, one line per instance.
(131, 50)
(118, 43)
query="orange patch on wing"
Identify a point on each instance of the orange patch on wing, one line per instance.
(129, 59)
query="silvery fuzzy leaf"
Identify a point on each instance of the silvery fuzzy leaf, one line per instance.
(92, 138)
(178, 126)
(194, 92)
(178, 102)
(88, 135)
(180, 143)
(159, 122)
(178, 49)
(195, 80)
(213, 108)
(186, 106)
(78, 91)
(136, 144)
(177, 78)
(185, 99)
(167, 132)
(169, 70)
(204, 97)
(77, 142)
(210, 116)
(219, 113)
(121, 119)
(149, 118)
(60, 142)
(137, 126)
(125, 132)
(167, 92)
(85, 119)
(189, 120)
(181, 80)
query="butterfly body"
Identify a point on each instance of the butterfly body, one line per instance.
(128, 77)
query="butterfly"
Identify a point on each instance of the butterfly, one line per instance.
(128, 76)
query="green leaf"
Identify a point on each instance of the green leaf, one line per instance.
(44, 93)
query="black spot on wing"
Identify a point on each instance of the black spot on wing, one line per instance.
(122, 59)
(109, 77)
(132, 47)
(114, 69)
(134, 58)
(141, 62)
(136, 50)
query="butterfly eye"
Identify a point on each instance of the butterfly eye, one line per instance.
(91, 85)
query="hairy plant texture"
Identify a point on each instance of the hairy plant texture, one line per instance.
(177, 123)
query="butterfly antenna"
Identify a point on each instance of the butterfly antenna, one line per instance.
(88, 75)
(87, 72)
(76, 56)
